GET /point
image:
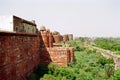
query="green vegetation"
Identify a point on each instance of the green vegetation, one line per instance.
(78, 43)
(112, 44)
(42, 69)
(88, 65)
(116, 75)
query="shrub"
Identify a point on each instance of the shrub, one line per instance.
(51, 68)
(84, 76)
(48, 76)
(116, 75)
(102, 61)
(110, 61)
(33, 77)
(67, 72)
(109, 70)
(42, 69)
(77, 48)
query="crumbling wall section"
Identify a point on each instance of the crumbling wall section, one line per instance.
(58, 55)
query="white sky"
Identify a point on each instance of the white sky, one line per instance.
(90, 18)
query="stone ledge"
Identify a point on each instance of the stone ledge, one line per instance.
(16, 33)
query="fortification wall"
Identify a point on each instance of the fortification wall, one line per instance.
(57, 38)
(59, 56)
(19, 55)
(24, 48)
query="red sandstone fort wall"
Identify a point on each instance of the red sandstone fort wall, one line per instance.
(24, 48)
(21, 53)
(59, 56)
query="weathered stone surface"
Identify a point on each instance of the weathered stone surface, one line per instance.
(21, 53)
(16, 55)
(58, 55)
(65, 38)
(70, 36)
(24, 48)
(57, 38)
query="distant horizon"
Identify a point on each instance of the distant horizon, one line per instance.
(93, 37)
(87, 18)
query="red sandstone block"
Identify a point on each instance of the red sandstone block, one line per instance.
(60, 55)
(19, 68)
(18, 58)
(56, 38)
(61, 38)
(20, 78)
(28, 73)
(4, 59)
(71, 54)
(35, 60)
(29, 64)
(45, 38)
(16, 55)
(19, 71)
(65, 37)
(6, 72)
(8, 78)
(5, 41)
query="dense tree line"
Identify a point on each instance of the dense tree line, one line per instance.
(112, 44)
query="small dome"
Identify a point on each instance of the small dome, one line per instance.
(42, 28)
(48, 30)
(33, 21)
(55, 33)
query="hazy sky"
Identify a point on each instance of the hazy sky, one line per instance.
(80, 17)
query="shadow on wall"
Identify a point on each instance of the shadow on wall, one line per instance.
(44, 44)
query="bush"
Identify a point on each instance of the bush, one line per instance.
(42, 69)
(116, 75)
(77, 48)
(33, 77)
(84, 76)
(67, 72)
(102, 61)
(48, 76)
(109, 70)
(110, 61)
(51, 68)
